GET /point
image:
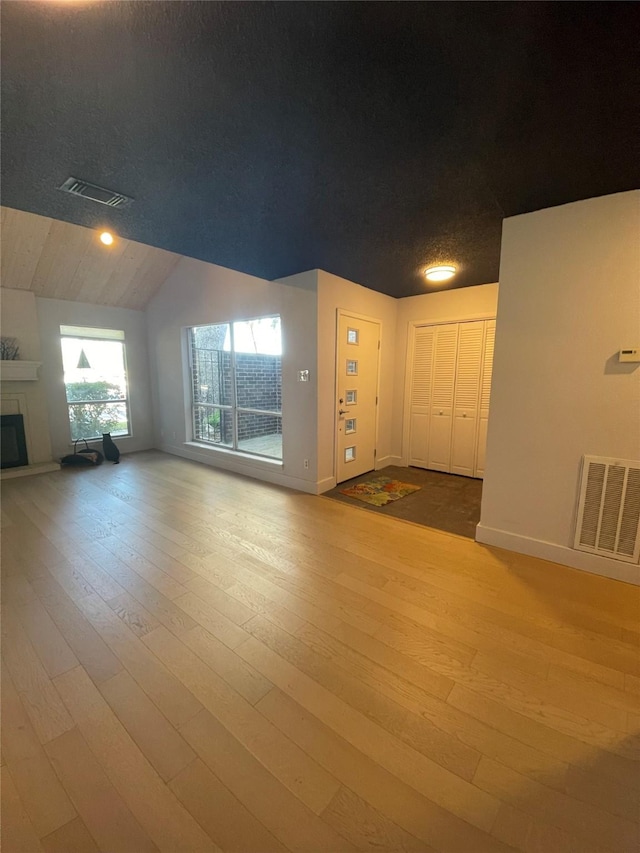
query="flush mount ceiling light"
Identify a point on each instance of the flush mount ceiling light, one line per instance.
(440, 273)
(106, 238)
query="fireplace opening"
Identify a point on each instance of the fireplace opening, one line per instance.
(13, 442)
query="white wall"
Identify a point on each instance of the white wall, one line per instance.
(465, 303)
(335, 293)
(20, 321)
(52, 313)
(449, 306)
(197, 293)
(569, 300)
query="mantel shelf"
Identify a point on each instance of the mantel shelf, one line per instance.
(19, 371)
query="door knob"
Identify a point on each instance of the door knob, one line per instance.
(341, 412)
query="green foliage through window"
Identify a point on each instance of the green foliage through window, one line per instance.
(80, 392)
(96, 386)
(94, 416)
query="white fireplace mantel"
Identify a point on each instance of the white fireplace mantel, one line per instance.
(19, 371)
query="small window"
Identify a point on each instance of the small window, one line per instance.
(349, 454)
(350, 425)
(351, 398)
(95, 381)
(352, 336)
(352, 368)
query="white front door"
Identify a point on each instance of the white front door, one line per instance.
(356, 400)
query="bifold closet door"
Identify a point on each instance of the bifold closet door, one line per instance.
(466, 399)
(420, 401)
(485, 393)
(449, 396)
(445, 346)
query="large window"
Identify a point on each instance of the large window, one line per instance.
(236, 371)
(95, 379)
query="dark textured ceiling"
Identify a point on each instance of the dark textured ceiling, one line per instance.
(367, 139)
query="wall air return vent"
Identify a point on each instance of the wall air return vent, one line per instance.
(94, 193)
(608, 520)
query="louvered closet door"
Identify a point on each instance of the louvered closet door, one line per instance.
(420, 403)
(485, 394)
(466, 398)
(442, 388)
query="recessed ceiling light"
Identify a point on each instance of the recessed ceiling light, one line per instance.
(106, 238)
(440, 273)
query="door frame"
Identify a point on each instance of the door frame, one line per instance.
(340, 313)
(412, 325)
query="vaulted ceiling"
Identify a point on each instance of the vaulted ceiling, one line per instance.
(367, 139)
(58, 260)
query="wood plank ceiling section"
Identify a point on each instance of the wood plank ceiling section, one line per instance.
(58, 260)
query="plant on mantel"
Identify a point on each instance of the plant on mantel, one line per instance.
(9, 349)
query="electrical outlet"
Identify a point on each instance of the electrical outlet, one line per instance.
(306, 463)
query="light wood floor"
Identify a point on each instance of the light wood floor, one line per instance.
(196, 661)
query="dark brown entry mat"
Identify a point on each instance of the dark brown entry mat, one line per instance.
(445, 501)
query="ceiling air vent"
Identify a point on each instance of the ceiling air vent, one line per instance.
(608, 520)
(94, 193)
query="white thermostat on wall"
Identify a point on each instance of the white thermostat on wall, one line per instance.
(629, 354)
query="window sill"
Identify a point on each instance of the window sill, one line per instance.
(99, 440)
(234, 454)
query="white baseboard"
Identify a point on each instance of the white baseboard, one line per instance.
(258, 469)
(592, 563)
(325, 485)
(384, 461)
